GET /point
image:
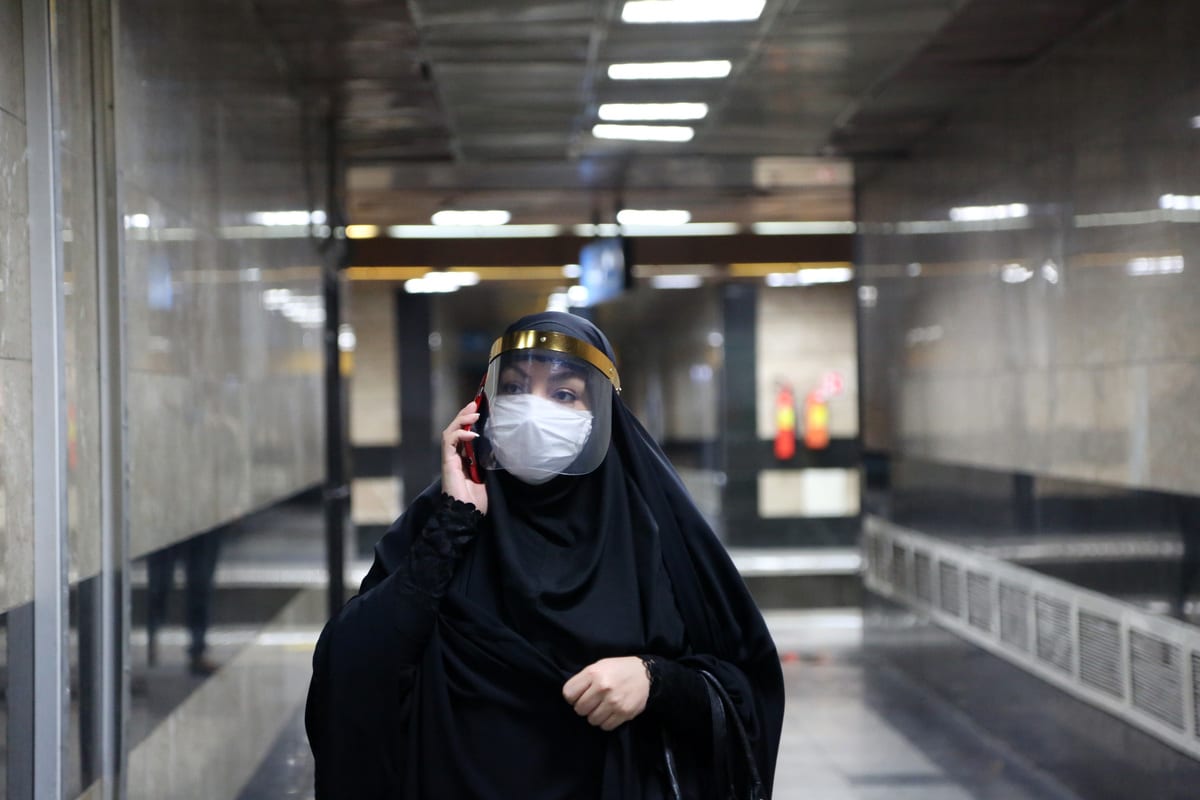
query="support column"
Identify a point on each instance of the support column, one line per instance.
(739, 303)
(418, 456)
(49, 421)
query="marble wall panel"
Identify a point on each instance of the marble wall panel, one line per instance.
(1172, 424)
(374, 387)
(12, 59)
(1038, 342)
(16, 383)
(16, 483)
(14, 241)
(82, 363)
(224, 312)
(801, 334)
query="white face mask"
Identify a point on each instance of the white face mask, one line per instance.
(534, 439)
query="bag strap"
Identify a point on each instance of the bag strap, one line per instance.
(672, 770)
(722, 774)
(722, 708)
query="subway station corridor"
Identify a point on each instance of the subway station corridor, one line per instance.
(828, 371)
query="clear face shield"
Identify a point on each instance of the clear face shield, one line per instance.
(549, 398)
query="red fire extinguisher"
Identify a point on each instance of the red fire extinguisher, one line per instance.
(816, 421)
(785, 423)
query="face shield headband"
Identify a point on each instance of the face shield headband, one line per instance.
(549, 412)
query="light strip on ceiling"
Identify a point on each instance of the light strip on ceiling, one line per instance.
(801, 228)
(474, 274)
(676, 281)
(689, 229)
(653, 216)
(669, 70)
(652, 11)
(647, 112)
(987, 213)
(809, 276)
(471, 218)
(472, 232)
(644, 133)
(762, 269)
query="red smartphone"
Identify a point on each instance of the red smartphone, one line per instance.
(467, 450)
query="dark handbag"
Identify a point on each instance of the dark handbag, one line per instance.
(735, 771)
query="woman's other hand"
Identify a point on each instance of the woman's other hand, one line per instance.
(610, 692)
(455, 480)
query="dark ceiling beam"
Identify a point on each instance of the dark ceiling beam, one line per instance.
(744, 248)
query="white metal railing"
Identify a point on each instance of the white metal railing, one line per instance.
(1142, 668)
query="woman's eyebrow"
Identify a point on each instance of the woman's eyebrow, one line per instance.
(515, 368)
(566, 372)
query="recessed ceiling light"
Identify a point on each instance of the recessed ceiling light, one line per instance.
(644, 133)
(669, 70)
(473, 218)
(646, 112)
(653, 216)
(650, 11)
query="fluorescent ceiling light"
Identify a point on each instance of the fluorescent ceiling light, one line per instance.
(809, 276)
(983, 213)
(438, 282)
(801, 228)
(669, 70)
(644, 112)
(282, 218)
(644, 133)
(689, 229)
(825, 275)
(651, 216)
(676, 281)
(1179, 202)
(362, 231)
(1195, 120)
(461, 232)
(650, 11)
(471, 218)
(1160, 265)
(1015, 273)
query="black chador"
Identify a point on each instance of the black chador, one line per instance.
(443, 678)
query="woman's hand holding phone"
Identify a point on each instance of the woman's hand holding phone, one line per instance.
(456, 481)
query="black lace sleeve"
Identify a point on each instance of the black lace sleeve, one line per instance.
(679, 700)
(437, 549)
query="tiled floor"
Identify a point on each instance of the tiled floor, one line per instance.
(854, 730)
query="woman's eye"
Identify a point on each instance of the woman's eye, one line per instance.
(511, 387)
(565, 396)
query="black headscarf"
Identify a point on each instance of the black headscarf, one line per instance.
(617, 562)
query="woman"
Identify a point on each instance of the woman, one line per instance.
(542, 633)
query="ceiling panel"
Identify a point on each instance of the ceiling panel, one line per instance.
(466, 102)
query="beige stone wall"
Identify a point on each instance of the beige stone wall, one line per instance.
(16, 369)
